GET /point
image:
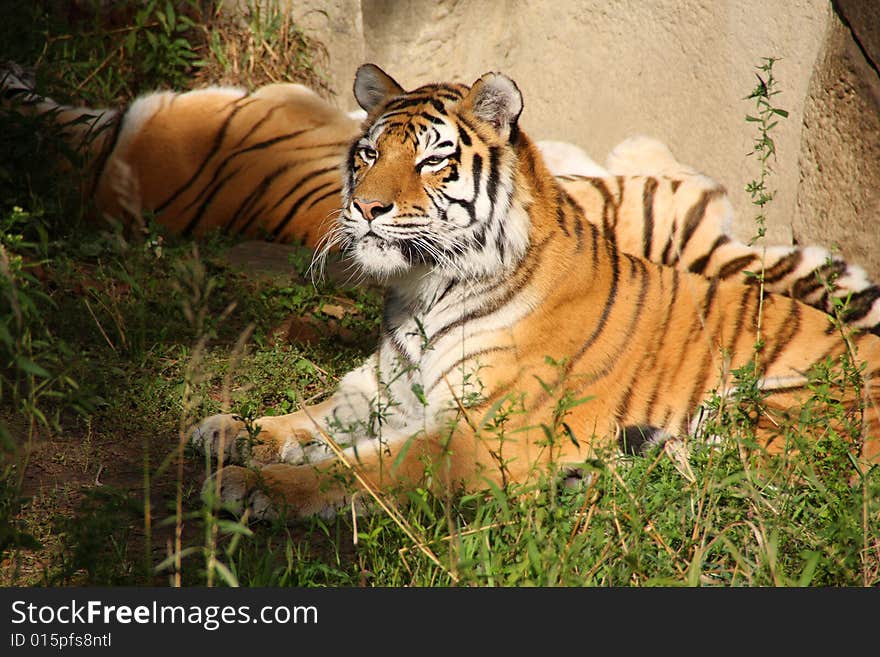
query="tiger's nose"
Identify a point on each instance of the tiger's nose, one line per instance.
(371, 209)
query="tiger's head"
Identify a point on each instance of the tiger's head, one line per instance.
(428, 185)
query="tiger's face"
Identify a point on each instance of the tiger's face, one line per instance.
(428, 183)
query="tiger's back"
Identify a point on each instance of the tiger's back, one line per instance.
(264, 164)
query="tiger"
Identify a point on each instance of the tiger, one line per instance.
(267, 165)
(501, 288)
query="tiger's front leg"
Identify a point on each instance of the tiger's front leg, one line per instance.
(394, 462)
(295, 438)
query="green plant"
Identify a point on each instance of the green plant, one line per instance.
(763, 146)
(260, 43)
(34, 363)
(160, 43)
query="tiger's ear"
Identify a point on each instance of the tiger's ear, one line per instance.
(496, 99)
(372, 86)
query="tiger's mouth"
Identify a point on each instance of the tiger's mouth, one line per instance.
(374, 241)
(378, 256)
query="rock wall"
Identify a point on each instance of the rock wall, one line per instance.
(594, 72)
(838, 197)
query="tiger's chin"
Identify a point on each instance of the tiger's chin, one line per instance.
(379, 258)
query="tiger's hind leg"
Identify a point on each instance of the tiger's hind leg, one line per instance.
(811, 274)
(832, 413)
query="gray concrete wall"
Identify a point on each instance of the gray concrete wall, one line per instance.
(594, 72)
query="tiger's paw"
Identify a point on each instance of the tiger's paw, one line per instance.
(239, 491)
(277, 491)
(221, 434)
(268, 440)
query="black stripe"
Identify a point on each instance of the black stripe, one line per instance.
(336, 189)
(818, 278)
(560, 218)
(209, 187)
(494, 174)
(698, 325)
(659, 376)
(668, 248)
(648, 215)
(611, 361)
(709, 298)
(609, 210)
(594, 237)
(614, 257)
(266, 143)
(745, 300)
(477, 169)
(291, 213)
(445, 292)
(698, 391)
(783, 267)
(209, 197)
(735, 266)
(623, 405)
(460, 361)
(256, 193)
(861, 303)
(698, 266)
(403, 102)
(401, 352)
(101, 161)
(388, 115)
(303, 180)
(256, 126)
(215, 147)
(573, 210)
(512, 288)
(694, 217)
(787, 330)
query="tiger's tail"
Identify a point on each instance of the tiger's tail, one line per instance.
(85, 131)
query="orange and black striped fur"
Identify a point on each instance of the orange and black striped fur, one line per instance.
(500, 286)
(667, 212)
(266, 165)
(262, 164)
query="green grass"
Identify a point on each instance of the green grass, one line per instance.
(113, 346)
